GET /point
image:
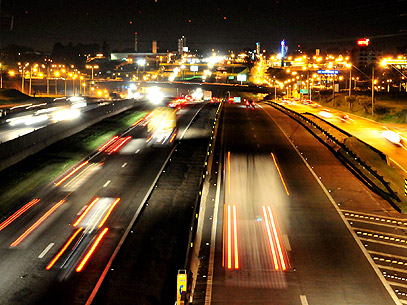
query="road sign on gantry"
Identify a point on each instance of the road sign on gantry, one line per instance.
(181, 285)
(328, 72)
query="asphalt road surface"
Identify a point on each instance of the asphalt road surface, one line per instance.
(281, 238)
(82, 215)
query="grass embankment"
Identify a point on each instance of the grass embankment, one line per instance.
(393, 174)
(12, 96)
(22, 180)
(388, 107)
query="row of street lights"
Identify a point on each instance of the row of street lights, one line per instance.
(28, 71)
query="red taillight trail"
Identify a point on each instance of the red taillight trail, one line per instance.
(36, 224)
(71, 173)
(109, 212)
(17, 214)
(91, 250)
(63, 249)
(85, 212)
(108, 143)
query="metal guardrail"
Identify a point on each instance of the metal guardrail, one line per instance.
(362, 171)
(195, 219)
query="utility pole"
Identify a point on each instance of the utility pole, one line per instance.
(350, 81)
(31, 72)
(22, 80)
(48, 81)
(275, 91)
(373, 92)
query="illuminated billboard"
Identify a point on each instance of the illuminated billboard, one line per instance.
(363, 42)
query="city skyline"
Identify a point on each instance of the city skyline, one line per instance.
(206, 25)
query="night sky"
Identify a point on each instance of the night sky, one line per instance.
(222, 25)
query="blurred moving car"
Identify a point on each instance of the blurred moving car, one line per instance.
(249, 103)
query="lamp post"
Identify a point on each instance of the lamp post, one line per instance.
(57, 74)
(92, 67)
(31, 72)
(275, 90)
(22, 80)
(73, 84)
(140, 62)
(350, 80)
(373, 92)
(80, 84)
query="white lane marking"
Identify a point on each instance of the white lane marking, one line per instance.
(303, 299)
(333, 202)
(387, 255)
(46, 250)
(107, 183)
(375, 241)
(398, 284)
(208, 295)
(379, 233)
(372, 222)
(384, 219)
(83, 208)
(137, 151)
(286, 242)
(400, 270)
(124, 164)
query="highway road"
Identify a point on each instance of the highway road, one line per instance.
(56, 246)
(39, 113)
(282, 230)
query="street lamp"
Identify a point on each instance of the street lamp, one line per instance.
(140, 62)
(80, 84)
(73, 83)
(92, 67)
(57, 74)
(1, 72)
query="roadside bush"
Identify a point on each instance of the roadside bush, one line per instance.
(382, 109)
(350, 100)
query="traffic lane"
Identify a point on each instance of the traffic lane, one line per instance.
(118, 221)
(131, 187)
(157, 248)
(324, 254)
(84, 197)
(347, 190)
(26, 259)
(251, 214)
(8, 132)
